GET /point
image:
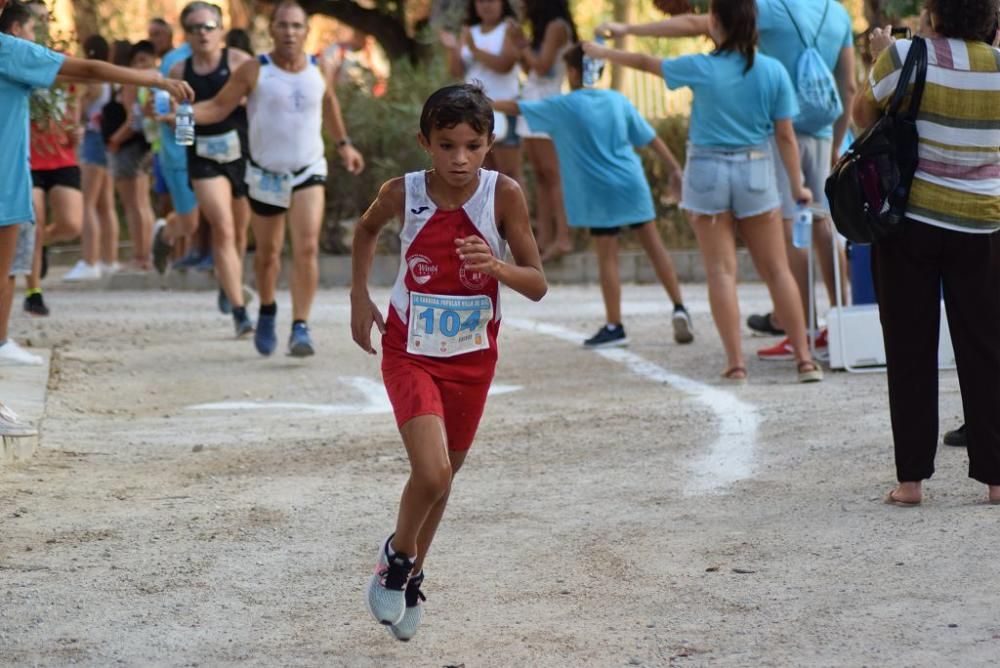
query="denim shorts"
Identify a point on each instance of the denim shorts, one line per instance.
(741, 181)
(92, 151)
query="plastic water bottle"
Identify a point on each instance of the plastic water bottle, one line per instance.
(802, 227)
(592, 66)
(184, 124)
(161, 102)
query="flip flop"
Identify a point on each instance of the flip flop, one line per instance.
(736, 375)
(891, 500)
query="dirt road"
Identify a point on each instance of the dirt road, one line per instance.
(196, 505)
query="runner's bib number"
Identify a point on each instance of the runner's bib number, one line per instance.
(220, 148)
(448, 325)
(269, 188)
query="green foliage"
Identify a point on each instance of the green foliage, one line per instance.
(384, 129)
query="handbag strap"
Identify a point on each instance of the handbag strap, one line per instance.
(916, 58)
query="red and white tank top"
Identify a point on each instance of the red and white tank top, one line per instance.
(443, 315)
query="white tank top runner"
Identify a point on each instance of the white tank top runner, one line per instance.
(481, 210)
(496, 85)
(285, 113)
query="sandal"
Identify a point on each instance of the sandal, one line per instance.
(736, 375)
(890, 499)
(809, 372)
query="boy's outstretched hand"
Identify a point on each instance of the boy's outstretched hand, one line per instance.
(364, 313)
(477, 255)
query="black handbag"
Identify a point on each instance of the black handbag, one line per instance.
(869, 186)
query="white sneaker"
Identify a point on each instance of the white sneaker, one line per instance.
(82, 271)
(385, 593)
(406, 627)
(9, 426)
(11, 353)
(108, 269)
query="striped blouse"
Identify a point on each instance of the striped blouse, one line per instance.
(957, 184)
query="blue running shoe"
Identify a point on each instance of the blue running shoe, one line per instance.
(264, 339)
(244, 326)
(299, 343)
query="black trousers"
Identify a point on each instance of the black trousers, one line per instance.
(910, 270)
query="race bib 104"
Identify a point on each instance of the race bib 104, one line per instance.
(448, 325)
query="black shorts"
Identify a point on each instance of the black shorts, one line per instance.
(47, 179)
(613, 231)
(235, 172)
(262, 209)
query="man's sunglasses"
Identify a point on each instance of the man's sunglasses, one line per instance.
(210, 26)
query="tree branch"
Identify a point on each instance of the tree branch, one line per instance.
(387, 29)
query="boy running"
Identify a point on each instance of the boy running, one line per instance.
(439, 339)
(604, 186)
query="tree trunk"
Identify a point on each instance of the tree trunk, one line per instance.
(388, 29)
(87, 18)
(622, 14)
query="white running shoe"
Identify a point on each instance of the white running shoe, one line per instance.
(9, 426)
(108, 269)
(386, 597)
(11, 353)
(406, 628)
(82, 271)
(683, 327)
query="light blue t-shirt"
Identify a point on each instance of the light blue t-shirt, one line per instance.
(595, 133)
(24, 66)
(779, 39)
(732, 108)
(172, 155)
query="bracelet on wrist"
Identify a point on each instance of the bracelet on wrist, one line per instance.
(346, 141)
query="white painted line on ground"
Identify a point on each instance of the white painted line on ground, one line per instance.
(730, 458)
(376, 401)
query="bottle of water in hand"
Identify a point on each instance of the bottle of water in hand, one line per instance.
(592, 66)
(802, 227)
(184, 124)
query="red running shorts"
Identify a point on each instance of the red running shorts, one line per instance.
(414, 392)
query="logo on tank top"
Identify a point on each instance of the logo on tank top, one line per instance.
(421, 268)
(298, 100)
(472, 279)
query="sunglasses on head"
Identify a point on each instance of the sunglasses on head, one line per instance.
(209, 26)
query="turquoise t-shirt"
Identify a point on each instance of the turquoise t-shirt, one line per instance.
(732, 109)
(24, 66)
(779, 39)
(595, 133)
(172, 155)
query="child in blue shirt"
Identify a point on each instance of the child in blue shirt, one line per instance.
(604, 186)
(740, 99)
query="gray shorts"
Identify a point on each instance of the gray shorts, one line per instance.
(24, 254)
(131, 160)
(815, 155)
(740, 181)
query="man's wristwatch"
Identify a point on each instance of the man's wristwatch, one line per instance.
(346, 141)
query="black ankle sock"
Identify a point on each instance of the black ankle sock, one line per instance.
(269, 309)
(239, 312)
(298, 322)
(679, 306)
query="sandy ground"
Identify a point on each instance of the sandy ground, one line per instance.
(617, 510)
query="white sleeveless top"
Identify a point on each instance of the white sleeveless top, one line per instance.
(540, 86)
(285, 114)
(496, 85)
(420, 209)
(93, 113)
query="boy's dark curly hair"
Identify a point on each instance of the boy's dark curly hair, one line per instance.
(963, 19)
(451, 105)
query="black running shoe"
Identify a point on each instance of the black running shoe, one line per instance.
(764, 324)
(607, 336)
(35, 305)
(956, 438)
